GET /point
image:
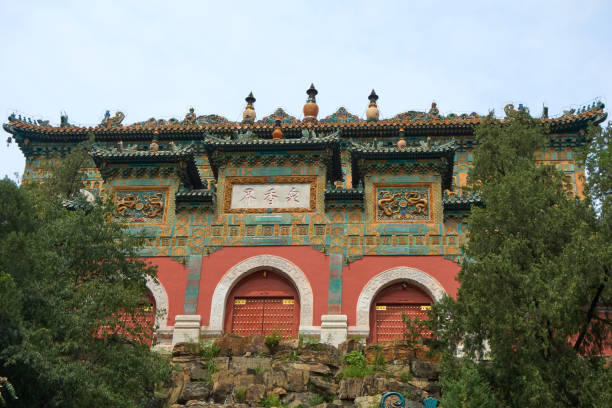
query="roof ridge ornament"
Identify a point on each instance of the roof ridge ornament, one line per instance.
(372, 113)
(248, 116)
(434, 112)
(311, 109)
(190, 117)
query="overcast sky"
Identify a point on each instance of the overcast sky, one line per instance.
(156, 59)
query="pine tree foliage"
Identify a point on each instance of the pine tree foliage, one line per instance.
(71, 288)
(535, 276)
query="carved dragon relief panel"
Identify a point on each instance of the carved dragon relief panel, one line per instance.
(412, 203)
(141, 205)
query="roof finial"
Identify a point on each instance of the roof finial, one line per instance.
(277, 133)
(372, 113)
(190, 117)
(248, 116)
(434, 111)
(311, 109)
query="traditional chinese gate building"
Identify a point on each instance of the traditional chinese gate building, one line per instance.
(326, 227)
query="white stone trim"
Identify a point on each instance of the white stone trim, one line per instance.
(186, 329)
(256, 263)
(399, 274)
(161, 303)
(333, 329)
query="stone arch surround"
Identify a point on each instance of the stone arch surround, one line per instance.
(161, 303)
(280, 265)
(414, 276)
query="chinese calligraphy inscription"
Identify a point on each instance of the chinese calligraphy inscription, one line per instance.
(264, 195)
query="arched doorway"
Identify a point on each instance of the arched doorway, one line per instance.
(389, 307)
(263, 302)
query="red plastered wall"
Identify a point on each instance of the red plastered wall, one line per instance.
(173, 276)
(357, 274)
(314, 264)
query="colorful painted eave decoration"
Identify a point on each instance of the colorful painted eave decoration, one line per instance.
(182, 157)
(410, 121)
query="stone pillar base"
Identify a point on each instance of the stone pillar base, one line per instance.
(186, 329)
(333, 329)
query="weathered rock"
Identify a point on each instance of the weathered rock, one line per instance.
(367, 401)
(320, 353)
(317, 368)
(275, 378)
(185, 352)
(320, 386)
(255, 343)
(255, 393)
(223, 382)
(231, 345)
(244, 380)
(297, 379)
(425, 369)
(195, 391)
(389, 351)
(350, 388)
(199, 372)
(179, 378)
(350, 345)
(295, 399)
(290, 344)
(196, 404)
(256, 363)
(278, 391)
(222, 363)
(327, 405)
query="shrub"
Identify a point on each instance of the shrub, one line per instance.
(272, 342)
(355, 359)
(316, 399)
(271, 400)
(405, 376)
(240, 395)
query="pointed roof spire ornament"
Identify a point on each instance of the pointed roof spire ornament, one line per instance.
(248, 116)
(372, 113)
(311, 109)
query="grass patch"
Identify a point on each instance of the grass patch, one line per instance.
(271, 400)
(240, 395)
(316, 400)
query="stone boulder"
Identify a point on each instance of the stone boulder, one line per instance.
(425, 369)
(323, 387)
(367, 401)
(255, 344)
(185, 352)
(195, 391)
(255, 393)
(320, 353)
(390, 351)
(231, 345)
(223, 381)
(350, 345)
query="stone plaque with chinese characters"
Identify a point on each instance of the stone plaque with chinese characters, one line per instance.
(406, 203)
(255, 195)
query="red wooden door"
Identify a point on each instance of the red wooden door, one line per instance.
(390, 324)
(264, 315)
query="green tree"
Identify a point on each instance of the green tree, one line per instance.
(536, 268)
(71, 288)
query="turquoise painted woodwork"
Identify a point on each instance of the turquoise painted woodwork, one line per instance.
(430, 402)
(392, 400)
